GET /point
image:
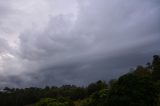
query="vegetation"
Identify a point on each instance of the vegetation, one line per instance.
(55, 102)
(141, 87)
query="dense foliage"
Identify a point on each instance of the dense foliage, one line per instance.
(55, 102)
(140, 87)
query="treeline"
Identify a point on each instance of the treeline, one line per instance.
(140, 87)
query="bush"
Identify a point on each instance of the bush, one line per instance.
(54, 102)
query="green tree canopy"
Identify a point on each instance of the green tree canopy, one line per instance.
(133, 90)
(54, 102)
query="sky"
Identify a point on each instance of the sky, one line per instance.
(56, 42)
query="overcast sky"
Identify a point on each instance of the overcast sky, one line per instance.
(55, 42)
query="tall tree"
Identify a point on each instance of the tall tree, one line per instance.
(156, 67)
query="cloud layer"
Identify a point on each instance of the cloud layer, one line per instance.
(75, 42)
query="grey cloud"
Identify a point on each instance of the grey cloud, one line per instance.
(3, 7)
(4, 46)
(101, 41)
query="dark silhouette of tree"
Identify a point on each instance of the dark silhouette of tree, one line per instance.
(156, 67)
(133, 90)
(94, 87)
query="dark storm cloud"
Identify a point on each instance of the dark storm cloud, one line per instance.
(98, 40)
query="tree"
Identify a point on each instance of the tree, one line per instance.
(94, 87)
(142, 72)
(133, 90)
(54, 102)
(156, 67)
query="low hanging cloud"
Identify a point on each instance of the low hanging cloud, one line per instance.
(75, 42)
